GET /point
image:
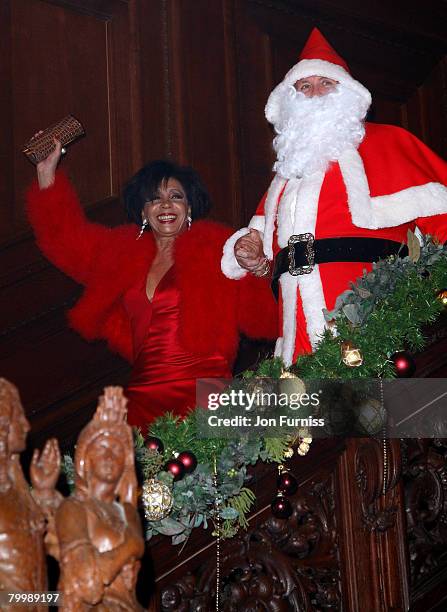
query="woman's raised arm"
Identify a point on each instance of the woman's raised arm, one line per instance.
(63, 233)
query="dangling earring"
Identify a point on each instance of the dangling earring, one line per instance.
(143, 227)
(189, 220)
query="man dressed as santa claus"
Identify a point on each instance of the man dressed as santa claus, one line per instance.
(344, 195)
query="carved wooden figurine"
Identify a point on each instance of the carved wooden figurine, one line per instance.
(23, 522)
(98, 527)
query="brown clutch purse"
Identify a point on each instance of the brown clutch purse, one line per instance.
(67, 131)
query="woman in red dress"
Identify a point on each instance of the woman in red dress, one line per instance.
(156, 294)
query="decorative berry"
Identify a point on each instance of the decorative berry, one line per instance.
(189, 461)
(155, 444)
(176, 468)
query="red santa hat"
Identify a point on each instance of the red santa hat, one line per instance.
(318, 58)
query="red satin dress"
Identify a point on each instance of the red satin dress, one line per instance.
(164, 373)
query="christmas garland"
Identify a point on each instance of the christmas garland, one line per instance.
(382, 314)
(191, 481)
(214, 490)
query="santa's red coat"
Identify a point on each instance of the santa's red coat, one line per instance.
(213, 309)
(392, 183)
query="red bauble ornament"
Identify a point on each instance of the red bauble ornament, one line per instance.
(281, 507)
(155, 444)
(404, 364)
(287, 483)
(189, 461)
(176, 468)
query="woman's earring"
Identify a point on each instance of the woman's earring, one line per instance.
(189, 220)
(143, 227)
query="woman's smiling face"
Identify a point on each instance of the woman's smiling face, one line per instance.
(167, 213)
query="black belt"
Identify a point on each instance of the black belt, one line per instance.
(303, 252)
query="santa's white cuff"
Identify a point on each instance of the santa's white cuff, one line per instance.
(257, 222)
(229, 264)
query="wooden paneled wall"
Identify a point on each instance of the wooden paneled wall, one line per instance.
(186, 79)
(61, 57)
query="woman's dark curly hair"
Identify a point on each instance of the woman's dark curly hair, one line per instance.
(143, 187)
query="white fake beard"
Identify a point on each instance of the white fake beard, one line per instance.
(312, 132)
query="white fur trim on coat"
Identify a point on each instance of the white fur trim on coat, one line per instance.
(312, 298)
(387, 210)
(297, 214)
(257, 222)
(285, 346)
(278, 347)
(286, 211)
(310, 285)
(228, 264)
(314, 67)
(270, 209)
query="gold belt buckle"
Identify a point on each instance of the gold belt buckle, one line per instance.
(309, 251)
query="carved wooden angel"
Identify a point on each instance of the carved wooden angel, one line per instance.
(25, 515)
(98, 527)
